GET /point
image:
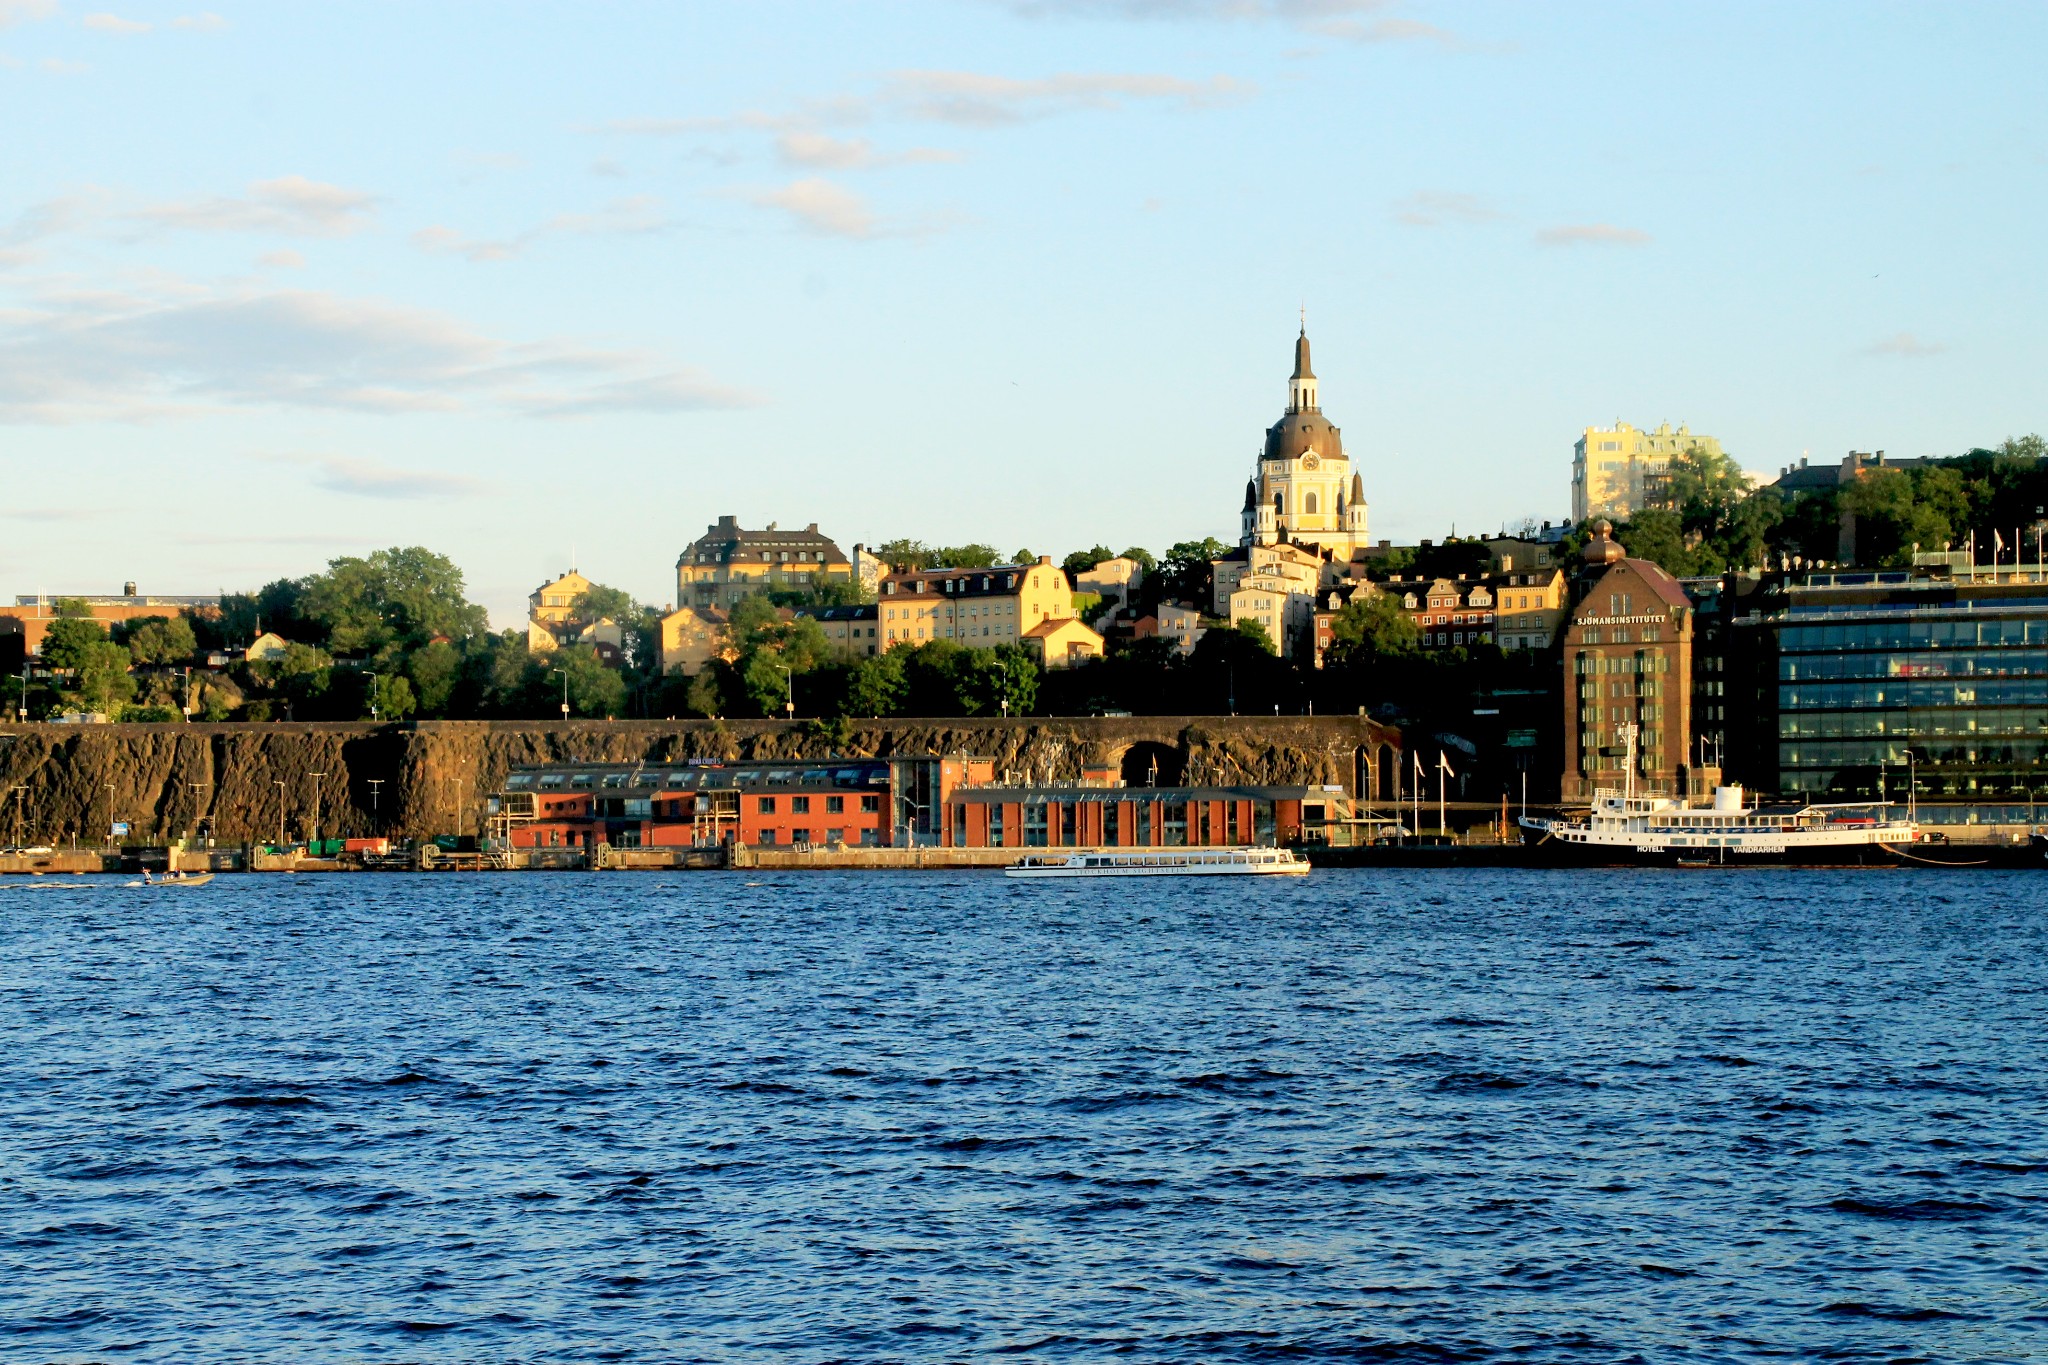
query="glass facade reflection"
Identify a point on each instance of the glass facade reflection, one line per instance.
(1949, 676)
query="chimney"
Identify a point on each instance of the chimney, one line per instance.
(127, 590)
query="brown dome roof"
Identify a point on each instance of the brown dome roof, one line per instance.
(1602, 548)
(1300, 432)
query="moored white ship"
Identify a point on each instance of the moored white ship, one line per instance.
(1625, 828)
(1162, 862)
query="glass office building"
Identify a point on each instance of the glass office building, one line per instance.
(1939, 674)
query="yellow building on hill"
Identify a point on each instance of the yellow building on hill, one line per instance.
(1617, 469)
(999, 605)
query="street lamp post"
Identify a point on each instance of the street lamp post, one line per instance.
(110, 814)
(789, 692)
(373, 694)
(197, 787)
(315, 838)
(279, 784)
(565, 692)
(17, 790)
(375, 783)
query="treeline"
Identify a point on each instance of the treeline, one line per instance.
(1709, 519)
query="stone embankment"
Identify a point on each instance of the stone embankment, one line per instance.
(249, 781)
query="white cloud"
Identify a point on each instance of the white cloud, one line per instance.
(968, 97)
(66, 213)
(1904, 346)
(203, 23)
(822, 207)
(290, 204)
(365, 478)
(114, 23)
(282, 260)
(1434, 208)
(1592, 234)
(58, 66)
(825, 152)
(633, 215)
(186, 349)
(14, 12)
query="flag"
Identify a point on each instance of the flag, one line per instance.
(1997, 545)
(1443, 761)
(1418, 767)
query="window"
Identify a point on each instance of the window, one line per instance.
(835, 805)
(800, 836)
(835, 836)
(799, 805)
(1308, 504)
(871, 802)
(765, 805)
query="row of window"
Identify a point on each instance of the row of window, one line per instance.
(1622, 663)
(772, 838)
(1913, 633)
(769, 556)
(2012, 720)
(704, 778)
(801, 805)
(1985, 750)
(1620, 635)
(1948, 663)
(2011, 691)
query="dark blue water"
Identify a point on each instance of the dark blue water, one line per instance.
(1363, 1116)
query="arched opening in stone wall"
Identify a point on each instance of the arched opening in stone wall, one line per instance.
(1390, 773)
(1149, 763)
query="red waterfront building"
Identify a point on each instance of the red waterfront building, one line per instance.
(928, 802)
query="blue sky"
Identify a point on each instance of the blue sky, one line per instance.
(526, 281)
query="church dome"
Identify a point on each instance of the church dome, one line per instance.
(1296, 434)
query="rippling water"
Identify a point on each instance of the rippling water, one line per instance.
(1364, 1116)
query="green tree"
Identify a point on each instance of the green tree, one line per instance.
(876, 686)
(971, 556)
(102, 681)
(1655, 534)
(1081, 561)
(434, 670)
(1185, 573)
(904, 554)
(404, 596)
(97, 667)
(1704, 487)
(1024, 556)
(1372, 625)
(1255, 632)
(69, 640)
(160, 640)
(594, 690)
(1142, 557)
(986, 679)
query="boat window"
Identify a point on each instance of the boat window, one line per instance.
(552, 779)
(679, 779)
(583, 780)
(518, 781)
(614, 779)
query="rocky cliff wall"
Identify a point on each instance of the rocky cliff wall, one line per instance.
(404, 780)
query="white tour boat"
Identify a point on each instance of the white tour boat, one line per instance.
(1162, 862)
(1623, 827)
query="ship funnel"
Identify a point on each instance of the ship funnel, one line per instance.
(1728, 799)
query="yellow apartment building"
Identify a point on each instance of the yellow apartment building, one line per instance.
(1620, 468)
(728, 563)
(979, 607)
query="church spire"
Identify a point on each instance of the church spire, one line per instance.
(1301, 387)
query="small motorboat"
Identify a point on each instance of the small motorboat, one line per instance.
(175, 879)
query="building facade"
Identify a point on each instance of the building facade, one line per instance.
(692, 637)
(28, 620)
(980, 607)
(1304, 488)
(1934, 677)
(1627, 671)
(728, 563)
(1617, 469)
(552, 618)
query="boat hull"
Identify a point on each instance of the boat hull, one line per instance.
(1281, 870)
